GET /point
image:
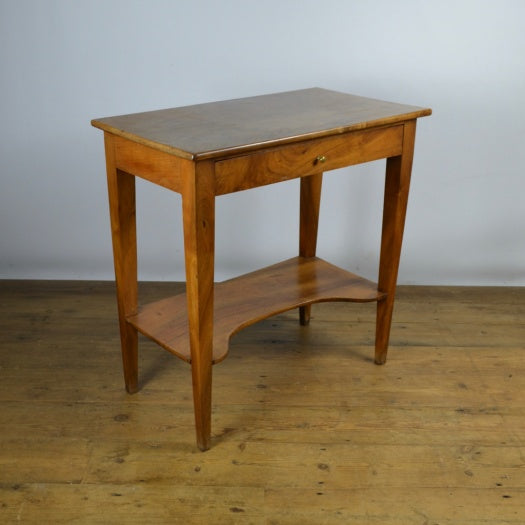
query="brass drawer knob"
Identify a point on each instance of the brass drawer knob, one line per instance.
(320, 159)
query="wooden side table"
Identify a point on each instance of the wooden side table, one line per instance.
(208, 150)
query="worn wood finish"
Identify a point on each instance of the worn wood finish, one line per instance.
(121, 189)
(212, 149)
(306, 430)
(246, 300)
(397, 184)
(221, 129)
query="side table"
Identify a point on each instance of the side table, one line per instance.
(208, 150)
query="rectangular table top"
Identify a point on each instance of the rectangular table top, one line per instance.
(218, 129)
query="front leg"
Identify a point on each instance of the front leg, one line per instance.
(198, 202)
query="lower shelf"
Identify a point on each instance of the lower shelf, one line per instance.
(245, 300)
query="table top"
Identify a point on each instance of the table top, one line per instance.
(219, 129)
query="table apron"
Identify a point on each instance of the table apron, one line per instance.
(307, 158)
(151, 164)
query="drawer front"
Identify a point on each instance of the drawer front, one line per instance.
(308, 157)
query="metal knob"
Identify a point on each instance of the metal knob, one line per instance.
(320, 159)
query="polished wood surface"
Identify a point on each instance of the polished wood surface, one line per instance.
(231, 127)
(397, 183)
(198, 217)
(285, 163)
(150, 164)
(121, 190)
(213, 149)
(245, 300)
(305, 429)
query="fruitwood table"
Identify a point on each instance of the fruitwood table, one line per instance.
(208, 150)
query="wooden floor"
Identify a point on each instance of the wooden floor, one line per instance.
(307, 430)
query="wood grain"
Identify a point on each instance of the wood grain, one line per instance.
(306, 430)
(121, 191)
(231, 127)
(285, 163)
(245, 300)
(198, 214)
(397, 185)
(150, 164)
(212, 149)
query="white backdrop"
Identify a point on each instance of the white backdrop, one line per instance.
(64, 62)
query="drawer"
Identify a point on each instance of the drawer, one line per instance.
(306, 158)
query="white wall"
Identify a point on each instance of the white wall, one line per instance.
(64, 62)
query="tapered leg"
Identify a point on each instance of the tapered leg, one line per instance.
(198, 204)
(308, 225)
(397, 183)
(121, 188)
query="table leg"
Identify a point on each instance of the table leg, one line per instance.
(310, 200)
(121, 189)
(397, 183)
(198, 205)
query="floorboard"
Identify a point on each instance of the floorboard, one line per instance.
(306, 429)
